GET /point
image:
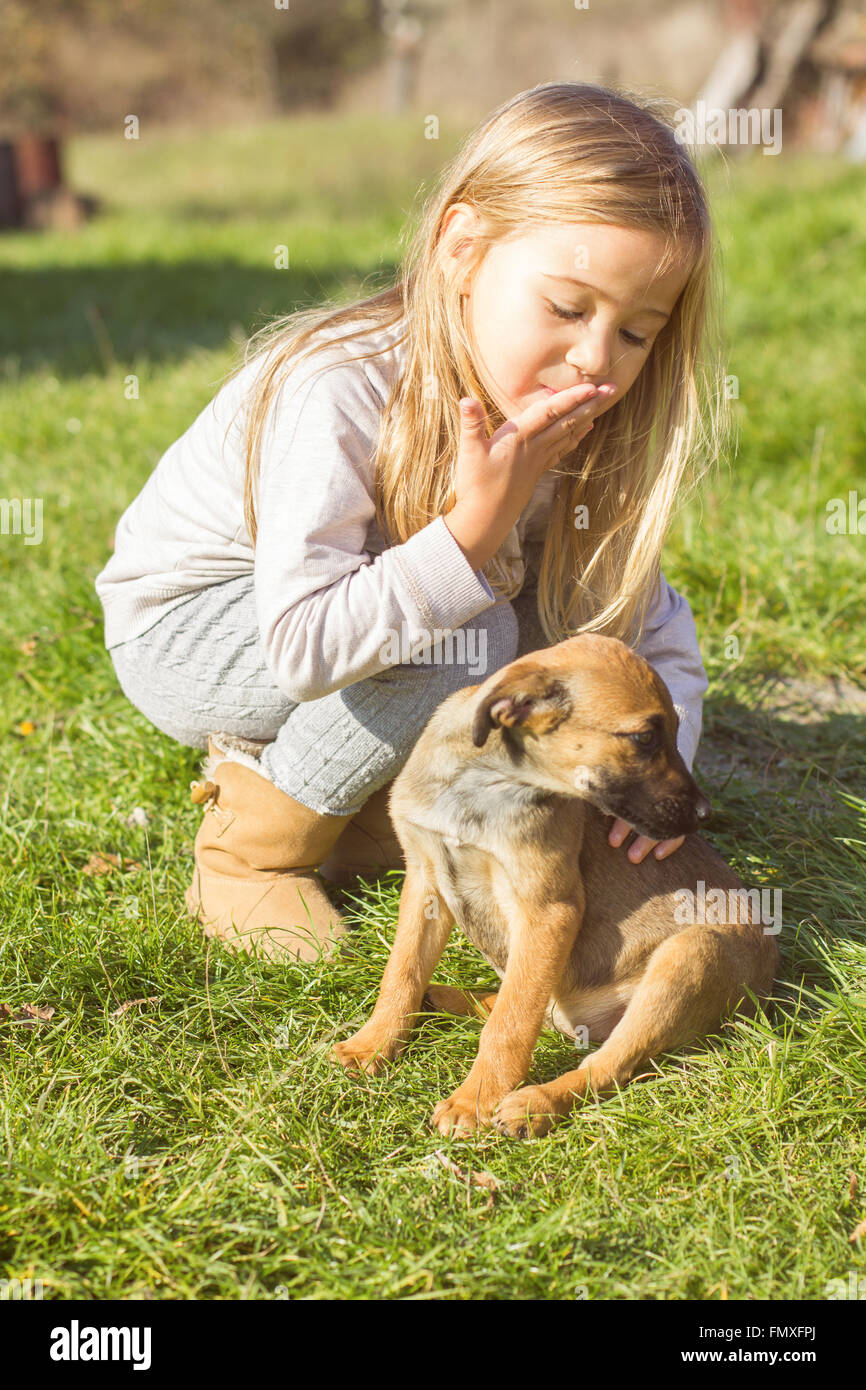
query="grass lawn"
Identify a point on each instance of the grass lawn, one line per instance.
(200, 1144)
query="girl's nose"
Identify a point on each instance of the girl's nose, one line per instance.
(591, 355)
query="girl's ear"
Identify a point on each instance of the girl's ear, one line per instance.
(531, 699)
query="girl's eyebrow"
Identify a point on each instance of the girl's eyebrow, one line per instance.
(571, 280)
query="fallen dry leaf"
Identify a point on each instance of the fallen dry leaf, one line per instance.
(106, 863)
(131, 1003)
(852, 1185)
(485, 1180)
(28, 1015)
(858, 1232)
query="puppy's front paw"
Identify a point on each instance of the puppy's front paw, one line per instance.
(461, 1113)
(525, 1113)
(365, 1052)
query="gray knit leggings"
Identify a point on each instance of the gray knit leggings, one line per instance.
(201, 669)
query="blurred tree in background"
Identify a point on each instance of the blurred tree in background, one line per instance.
(85, 64)
(77, 65)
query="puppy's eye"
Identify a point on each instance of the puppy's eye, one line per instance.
(645, 739)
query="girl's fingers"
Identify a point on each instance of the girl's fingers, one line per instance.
(666, 847)
(574, 412)
(642, 844)
(558, 407)
(553, 417)
(472, 416)
(639, 847)
(639, 850)
(618, 832)
(661, 848)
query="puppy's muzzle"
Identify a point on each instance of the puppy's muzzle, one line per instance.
(661, 814)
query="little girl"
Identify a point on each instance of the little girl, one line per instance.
(389, 501)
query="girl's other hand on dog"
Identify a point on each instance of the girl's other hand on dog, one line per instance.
(641, 846)
(495, 478)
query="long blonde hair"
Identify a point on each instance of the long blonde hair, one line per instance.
(561, 152)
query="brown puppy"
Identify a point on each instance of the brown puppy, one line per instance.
(502, 811)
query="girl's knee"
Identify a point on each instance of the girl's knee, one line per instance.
(503, 635)
(478, 648)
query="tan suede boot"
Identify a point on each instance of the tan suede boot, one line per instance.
(368, 847)
(256, 853)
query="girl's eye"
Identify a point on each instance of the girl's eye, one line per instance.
(561, 313)
(566, 313)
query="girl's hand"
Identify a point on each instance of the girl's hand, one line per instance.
(495, 478)
(643, 844)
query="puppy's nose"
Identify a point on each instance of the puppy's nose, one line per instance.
(703, 808)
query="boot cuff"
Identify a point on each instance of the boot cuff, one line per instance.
(231, 748)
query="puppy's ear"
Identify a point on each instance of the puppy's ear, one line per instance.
(532, 700)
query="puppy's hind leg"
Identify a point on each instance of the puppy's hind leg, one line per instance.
(423, 927)
(693, 980)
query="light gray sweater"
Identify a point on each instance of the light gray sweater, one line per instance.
(330, 593)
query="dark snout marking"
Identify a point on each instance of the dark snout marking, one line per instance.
(658, 816)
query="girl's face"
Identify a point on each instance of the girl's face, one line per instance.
(562, 305)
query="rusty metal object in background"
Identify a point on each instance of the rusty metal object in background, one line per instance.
(10, 198)
(32, 191)
(37, 164)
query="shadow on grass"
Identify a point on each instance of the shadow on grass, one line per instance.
(76, 320)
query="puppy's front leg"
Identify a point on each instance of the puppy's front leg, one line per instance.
(541, 938)
(423, 927)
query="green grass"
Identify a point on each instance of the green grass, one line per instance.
(201, 1144)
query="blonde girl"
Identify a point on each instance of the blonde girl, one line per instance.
(390, 500)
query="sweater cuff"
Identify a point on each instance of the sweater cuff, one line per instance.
(448, 591)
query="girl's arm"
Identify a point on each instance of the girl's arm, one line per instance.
(330, 613)
(669, 643)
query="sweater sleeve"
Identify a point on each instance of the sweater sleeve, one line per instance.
(669, 643)
(329, 612)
